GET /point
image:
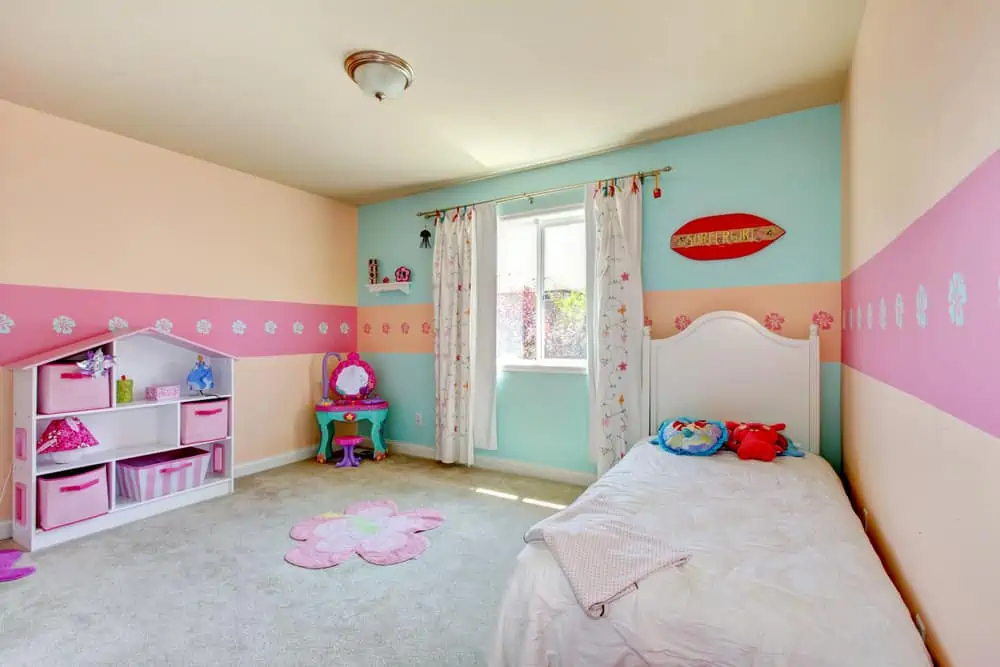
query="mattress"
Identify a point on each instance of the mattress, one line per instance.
(781, 574)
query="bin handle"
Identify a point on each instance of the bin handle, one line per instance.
(173, 469)
(203, 413)
(78, 487)
(74, 376)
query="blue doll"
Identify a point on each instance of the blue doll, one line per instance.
(200, 378)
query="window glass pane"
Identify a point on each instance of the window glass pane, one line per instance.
(565, 301)
(517, 270)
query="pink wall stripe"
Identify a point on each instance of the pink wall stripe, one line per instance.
(35, 318)
(923, 315)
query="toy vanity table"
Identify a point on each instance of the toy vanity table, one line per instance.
(352, 386)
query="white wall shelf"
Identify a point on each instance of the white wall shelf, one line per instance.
(377, 288)
(124, 431)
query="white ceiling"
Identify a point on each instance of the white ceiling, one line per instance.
(258, 85)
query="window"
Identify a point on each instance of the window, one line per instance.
(547, 250)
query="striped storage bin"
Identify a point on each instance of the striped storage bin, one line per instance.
(158, 475)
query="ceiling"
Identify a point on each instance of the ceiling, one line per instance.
(259, 85)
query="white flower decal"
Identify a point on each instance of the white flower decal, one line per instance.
(921, 306)
(270, 326)
(899, 310)
(298, 328)
(116, 323)
(163, 325)
(204, 327)
(323, 328)
(957, 298)
(63, 324)
(6, 323)
(881, 312)
(345, 328)
(239, 327)
(869, 316)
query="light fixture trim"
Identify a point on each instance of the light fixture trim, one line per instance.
(358, 58)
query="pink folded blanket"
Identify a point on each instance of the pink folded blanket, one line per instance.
(604, 550)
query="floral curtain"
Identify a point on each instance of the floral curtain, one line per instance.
(615, 318)
(465, 332)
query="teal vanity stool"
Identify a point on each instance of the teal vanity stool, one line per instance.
(352, 387)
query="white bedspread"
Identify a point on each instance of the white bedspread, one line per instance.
(780, 575)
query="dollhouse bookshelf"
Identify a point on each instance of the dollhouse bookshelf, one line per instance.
(149, 357)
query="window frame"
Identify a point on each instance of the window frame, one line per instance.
(544, 219)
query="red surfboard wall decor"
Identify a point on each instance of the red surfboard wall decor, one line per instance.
(726, 236)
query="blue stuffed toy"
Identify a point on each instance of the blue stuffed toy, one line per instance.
(691, 437)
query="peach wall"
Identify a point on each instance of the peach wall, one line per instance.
(792, 307)
(920, 115)
(396, 328)
(112, 213)
(71, 187)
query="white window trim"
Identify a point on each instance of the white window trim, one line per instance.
(551, 217)
(570, 367)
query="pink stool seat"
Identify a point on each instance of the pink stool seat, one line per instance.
(348, 442)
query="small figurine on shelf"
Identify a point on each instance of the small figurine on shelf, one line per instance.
(123, 389)
(402, 275)
(386, 280)
(200, 378)
(372, 271)
(97, 363)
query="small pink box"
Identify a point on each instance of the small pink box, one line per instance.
(71, 497)
(64, 388)
(163, 392)
(157, 475)
(204, 421)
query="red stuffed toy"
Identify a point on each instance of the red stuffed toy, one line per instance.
(752, 440)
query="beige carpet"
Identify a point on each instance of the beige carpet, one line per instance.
(207, 585)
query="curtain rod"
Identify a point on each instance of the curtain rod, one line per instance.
(528, 195)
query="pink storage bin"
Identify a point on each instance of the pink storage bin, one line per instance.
(202, 421)
(164, 392)
(65, 498)
(157, 475)
(63, 388)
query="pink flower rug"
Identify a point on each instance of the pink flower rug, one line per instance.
(8, 569)
(374, 529)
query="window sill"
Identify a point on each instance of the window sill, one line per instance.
(571, 369)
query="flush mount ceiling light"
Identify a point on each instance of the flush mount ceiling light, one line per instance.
(381, 75)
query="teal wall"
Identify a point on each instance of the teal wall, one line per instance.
(786, 168)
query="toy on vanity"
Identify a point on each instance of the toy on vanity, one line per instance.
(349, 396)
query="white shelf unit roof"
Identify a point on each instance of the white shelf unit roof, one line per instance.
(102, 339)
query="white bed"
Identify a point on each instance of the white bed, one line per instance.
(781, 572)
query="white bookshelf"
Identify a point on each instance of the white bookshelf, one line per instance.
(124, 431)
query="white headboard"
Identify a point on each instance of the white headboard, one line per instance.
(725, 365)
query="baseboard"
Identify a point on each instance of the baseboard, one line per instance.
(535, 470)
(6, 530)
(410, 449)
(503, 465)
(260, 465)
